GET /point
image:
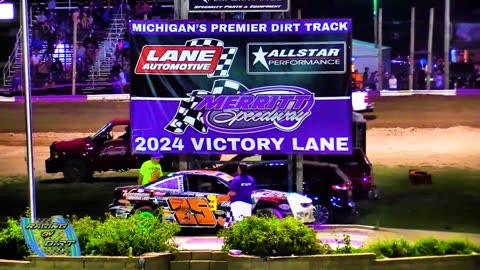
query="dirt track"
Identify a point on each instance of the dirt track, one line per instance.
(455, 147)
(413, 131)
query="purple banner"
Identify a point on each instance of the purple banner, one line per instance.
(258, 87)
(230, 118)
(313, 26)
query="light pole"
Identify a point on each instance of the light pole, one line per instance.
(28, 105)
(446, 47)
(375, 22)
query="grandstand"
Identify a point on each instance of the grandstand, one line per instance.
(102, 25)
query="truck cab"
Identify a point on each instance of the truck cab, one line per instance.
(108, 149)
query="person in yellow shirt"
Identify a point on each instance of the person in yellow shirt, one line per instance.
(150, 171)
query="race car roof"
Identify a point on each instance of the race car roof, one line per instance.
(222, 175)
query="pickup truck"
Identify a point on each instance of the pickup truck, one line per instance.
(361, 101)
(108, 149)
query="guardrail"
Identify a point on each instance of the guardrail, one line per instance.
(446, 92)
(126, 97)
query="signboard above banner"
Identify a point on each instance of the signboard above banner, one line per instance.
(238, 6)
(241, 87)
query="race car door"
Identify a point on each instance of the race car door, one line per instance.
(210, 205)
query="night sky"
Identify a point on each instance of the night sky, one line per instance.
(396, 15)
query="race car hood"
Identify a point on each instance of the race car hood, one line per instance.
(269, 193)
(299, 198)
(281, 194)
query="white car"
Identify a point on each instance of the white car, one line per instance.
(361, 102)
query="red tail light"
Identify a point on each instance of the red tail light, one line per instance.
(365, 99)
(347, 186)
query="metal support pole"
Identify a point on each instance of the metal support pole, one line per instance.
(291, 171)
(412, 49)
(299, 158)
(181, 13)
(380, 49)
(446, 47)
(180, 9)
(430, 44)
(74, 56)
(184, 10)
(177, 5)
(28, 106)
(375, 23)
(299, 173)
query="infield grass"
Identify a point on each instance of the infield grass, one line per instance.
(451, 204)
(58, 197)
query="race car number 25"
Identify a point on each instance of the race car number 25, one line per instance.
(158, 144)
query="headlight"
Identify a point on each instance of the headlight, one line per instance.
(305, 205)
(53, 153)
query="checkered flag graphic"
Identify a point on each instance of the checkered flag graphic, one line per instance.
(226, 59)
(187, 115)
(228, 219)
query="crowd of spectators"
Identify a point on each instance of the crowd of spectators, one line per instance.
(52, 32)
(53, 27)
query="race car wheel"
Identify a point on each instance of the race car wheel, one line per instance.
(269, 212)
(75, 170)
(322, 214)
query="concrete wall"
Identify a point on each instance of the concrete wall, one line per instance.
(215, 260)
(354, 262)
(199, 260)
(154, 261)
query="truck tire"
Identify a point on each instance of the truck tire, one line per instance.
(75, 170)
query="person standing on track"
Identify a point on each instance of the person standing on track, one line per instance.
(150, 171)
(241, 189)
